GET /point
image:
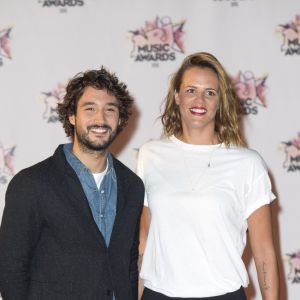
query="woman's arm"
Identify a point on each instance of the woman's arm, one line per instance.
(262, 245)
(144, 228)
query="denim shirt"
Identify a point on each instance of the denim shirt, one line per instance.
(102, 201)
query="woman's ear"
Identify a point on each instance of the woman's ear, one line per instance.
(176, 97)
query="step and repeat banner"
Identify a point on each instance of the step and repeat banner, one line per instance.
(44, 43)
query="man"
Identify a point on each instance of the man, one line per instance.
(70, 224)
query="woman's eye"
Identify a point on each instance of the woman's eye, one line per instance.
(190, 91)
(210, 93)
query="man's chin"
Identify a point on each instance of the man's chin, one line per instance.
(95, 144)
(98, 147)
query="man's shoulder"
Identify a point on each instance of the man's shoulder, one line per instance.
(38, 171)
(124, 171)
(28, 180)
(119, 166)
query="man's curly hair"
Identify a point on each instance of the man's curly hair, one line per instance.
(99, 79)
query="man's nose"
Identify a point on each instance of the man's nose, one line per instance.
(99, 116)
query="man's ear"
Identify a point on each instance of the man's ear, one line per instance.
(72, 119)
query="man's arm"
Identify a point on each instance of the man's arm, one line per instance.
(18, 235)
(262, 245)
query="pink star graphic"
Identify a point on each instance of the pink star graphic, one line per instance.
(4, 43)
(6, 160)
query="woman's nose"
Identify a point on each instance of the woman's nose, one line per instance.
(200, 96)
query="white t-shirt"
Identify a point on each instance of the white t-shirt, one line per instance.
(200, 197)
(98, 177)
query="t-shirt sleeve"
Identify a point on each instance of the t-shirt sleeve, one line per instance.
(140, 171)
(258, 188)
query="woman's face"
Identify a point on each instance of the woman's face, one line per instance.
(198, 99)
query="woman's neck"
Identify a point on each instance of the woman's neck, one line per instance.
(198, 139)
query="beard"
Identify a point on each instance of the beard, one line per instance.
(87, 145)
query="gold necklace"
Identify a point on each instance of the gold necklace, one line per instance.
(207, 166)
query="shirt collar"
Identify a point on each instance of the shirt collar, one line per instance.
(77, 165)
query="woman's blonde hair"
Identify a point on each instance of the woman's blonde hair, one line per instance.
(226, 120)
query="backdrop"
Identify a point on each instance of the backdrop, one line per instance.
(43, 43)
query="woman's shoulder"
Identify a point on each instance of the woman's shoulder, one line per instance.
(155, 144)
(247, 155)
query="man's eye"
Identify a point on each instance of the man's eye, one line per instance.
(89, 109)
(112, 109)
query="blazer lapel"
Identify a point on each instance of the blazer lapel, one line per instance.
(121, 201)
(74, 193)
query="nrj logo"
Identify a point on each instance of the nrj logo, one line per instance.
(5, 51)
(62, 4)
(293, 261)
(292, 154)
(51, 99)
(6, 163)
(250, 90)
(291, 37)
(159, 40)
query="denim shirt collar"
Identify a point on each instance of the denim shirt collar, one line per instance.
(78, 166)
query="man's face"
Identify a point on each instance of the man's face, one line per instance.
(96, 120)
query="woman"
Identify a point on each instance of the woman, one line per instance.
(204, 190)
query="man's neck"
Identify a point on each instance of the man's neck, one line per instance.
(94, 160)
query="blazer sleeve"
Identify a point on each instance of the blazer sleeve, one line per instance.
(19, 234)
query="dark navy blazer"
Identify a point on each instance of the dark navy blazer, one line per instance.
(50, 246)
